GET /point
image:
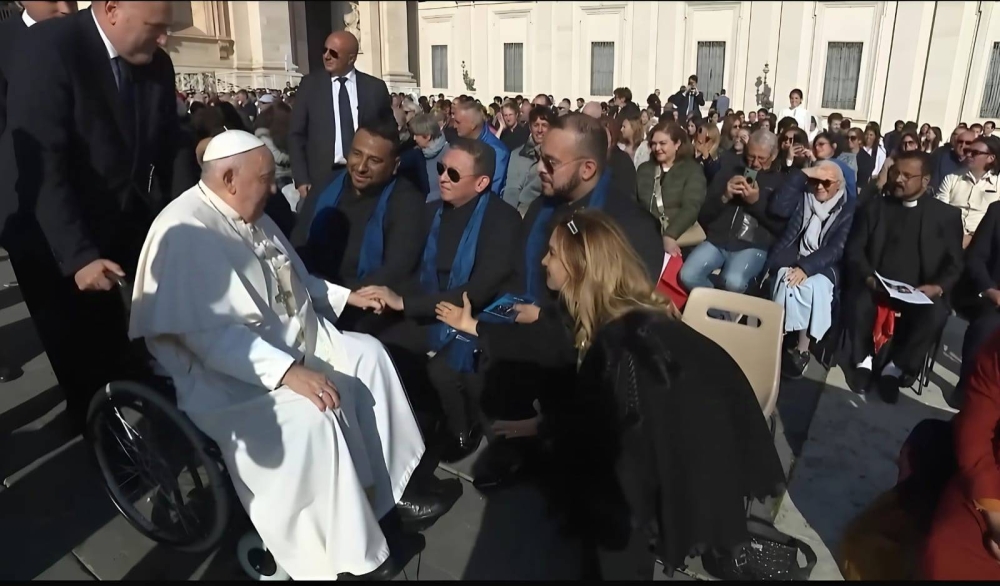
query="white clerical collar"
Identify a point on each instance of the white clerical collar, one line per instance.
(220, 204)
(112, 52)
(28, 21)
(910, 204)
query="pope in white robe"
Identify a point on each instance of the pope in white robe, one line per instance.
(314, 424)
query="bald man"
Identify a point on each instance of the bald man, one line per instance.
(330, 105)
(92, 125)
(592, 109)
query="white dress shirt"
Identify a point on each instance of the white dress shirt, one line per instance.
(802, 117)
(28, 21)
(970, 196)
(340, 150)
(112, 52)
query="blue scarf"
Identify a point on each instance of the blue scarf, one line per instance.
(373, 243)
(538, 241)
(460, 354)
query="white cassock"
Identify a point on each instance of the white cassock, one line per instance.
(226, 308)
(802, 117)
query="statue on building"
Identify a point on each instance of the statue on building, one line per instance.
(352, 20)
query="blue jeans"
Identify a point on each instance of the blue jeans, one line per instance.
(738, 268)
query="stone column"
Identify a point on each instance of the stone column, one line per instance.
(393, 24)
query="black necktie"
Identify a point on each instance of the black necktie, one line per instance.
(346, 117)
(126, 93)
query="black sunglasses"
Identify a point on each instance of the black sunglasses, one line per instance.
(969, 153)
(826, 183)
(331, 53)
(453, 175)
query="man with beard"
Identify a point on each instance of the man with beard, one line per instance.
(363, 231)
(909, 238)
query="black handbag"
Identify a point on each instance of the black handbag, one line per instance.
(770, 555)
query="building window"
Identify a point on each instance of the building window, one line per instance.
(710, 67)
(843, 68)
(513, 67)
(602, 68)
(990, 108)
(439, 66)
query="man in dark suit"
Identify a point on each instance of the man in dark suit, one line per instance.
(911, 237)
(329, 107)
(88, 152)
(11, 31)
(689, 100)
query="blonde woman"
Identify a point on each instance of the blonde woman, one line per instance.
(706, 150)
(632, 135)
(651, 396)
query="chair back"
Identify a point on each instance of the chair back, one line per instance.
(757, 350)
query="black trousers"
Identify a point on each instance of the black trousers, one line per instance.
(915, 332)
(84, 334)
(459, 394)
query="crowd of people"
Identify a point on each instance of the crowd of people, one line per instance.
(346, 285)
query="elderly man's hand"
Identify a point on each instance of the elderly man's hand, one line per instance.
(751, 193)
(362, 302)
(96, 276)
(384, 295)
(733, 188)
(313, 386)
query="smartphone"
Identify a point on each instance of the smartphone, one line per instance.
(750, 175)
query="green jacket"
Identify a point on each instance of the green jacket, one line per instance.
(682, 188)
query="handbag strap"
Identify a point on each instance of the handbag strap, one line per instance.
(658, 197)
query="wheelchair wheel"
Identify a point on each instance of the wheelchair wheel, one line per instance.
(161, 472)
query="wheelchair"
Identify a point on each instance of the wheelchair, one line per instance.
(165, 476)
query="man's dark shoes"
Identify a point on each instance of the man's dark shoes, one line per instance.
(463, 445)
(424, 504)
(9, 373)
(794, 363)
(402, 548)
(888, 388)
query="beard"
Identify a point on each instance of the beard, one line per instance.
(563, 191)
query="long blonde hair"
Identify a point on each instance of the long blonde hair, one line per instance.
(605, 277)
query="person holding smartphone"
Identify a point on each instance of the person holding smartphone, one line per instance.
(738, 226)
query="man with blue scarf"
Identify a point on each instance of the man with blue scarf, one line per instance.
(365, 228)
(575, 174)
(468, 249)
(470, 122)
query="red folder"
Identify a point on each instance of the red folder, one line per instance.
(669, 285)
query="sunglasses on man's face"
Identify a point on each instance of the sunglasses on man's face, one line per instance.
(969, 153)
(327, 51)
(853, 137)
(826, 183)
(453, 175)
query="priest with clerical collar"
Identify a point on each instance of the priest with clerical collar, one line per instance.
(366, 228)
(313, 423)
(468, 249)
(575, 174)
(910, 237)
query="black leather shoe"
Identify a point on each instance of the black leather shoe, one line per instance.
(401, 551)
(421, 505)
(888, 389)
(9, 373)
(463, 445)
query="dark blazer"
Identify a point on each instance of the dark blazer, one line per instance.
(94, 185)
(680, 99)
(826, 259)
(11, 31)
(866, 164)
(312, 136)
(982, 258)
(939, 246)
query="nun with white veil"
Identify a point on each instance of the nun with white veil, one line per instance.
(313, 423)
(805, 262)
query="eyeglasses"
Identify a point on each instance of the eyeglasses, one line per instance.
(549, 167)
(453, 175)
(333, 54)
(789, 138)
(969, 153)
(906, 178)
(963, 142)
(853, 137)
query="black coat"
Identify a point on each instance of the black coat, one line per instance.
(722, 221)
(982, 263)
(939, 244)
(67, 153)
(312, 135)
(866, 164)
(11, 31)
(659, 425)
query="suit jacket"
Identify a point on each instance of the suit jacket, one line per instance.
(87, 180)
(982, 261)
(939, 246)
(313, 134)
(866, 164)
(11, 31)
(680, 99)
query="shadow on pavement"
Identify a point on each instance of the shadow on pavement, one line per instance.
(10, 296)
(50, 510)
(23, 344)
(851, 457)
